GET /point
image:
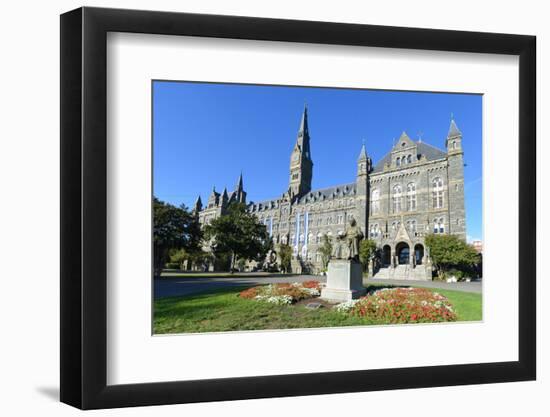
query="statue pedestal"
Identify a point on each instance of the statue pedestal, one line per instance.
(344, 281)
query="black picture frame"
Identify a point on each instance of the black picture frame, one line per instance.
(84, 207)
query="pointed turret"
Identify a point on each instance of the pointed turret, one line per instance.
(214, 198)
(453, 130)
(454, 137)
(239, 195)
(362, 153)
(198, 205)
(455, 189)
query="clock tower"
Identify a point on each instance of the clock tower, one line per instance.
(301, 165)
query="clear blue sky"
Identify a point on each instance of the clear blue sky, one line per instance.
(205, 134)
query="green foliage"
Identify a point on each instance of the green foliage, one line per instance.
(238, 234)
(450, 252)
(326, 251)
(194, 256)
(177, 257)
(367, 250)
(285, 254)
(173, 228)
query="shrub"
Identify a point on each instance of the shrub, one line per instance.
(285, 292)
(401, 305)
(311, 284)
(249, 293)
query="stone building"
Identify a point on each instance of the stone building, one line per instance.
(415, 189)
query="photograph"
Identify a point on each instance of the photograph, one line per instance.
(299, 207)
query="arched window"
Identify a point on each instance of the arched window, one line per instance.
(398, 161)
(411, 196)
(396, 198)
(454, 144)
(375, 201)
(411, 225)
(318, 238)
(409, 159)
(437, 192)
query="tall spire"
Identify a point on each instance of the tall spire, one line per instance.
(240, 182)
(301, 165)
(303, 124)
(303, 135)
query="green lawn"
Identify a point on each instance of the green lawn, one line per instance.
(223, 310)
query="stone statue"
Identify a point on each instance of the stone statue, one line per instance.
(270, 260)
(337, 249)
(353, 237)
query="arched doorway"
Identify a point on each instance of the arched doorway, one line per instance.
(386, 255)
(403, 253)
(418, 253)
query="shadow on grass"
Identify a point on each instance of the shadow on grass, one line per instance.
(375, 287)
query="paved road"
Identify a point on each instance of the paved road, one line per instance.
(173, 285)
(474, 286)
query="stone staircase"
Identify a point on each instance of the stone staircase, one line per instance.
(404, 272)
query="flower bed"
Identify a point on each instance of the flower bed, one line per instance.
(283, 293)
(401, 305)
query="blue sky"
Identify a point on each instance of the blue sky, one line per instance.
(205, 134)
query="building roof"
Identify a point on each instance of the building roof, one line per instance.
(329, 193)
(321, 194)
(423, 149)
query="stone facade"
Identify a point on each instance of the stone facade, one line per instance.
(414, 190)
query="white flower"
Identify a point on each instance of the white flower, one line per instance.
(275, 299)
(312, 291)
(346, 306)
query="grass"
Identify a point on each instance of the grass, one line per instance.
(223, 310)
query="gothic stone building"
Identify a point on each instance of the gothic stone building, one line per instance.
(415, 189)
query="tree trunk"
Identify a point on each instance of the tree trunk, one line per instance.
(232, 263)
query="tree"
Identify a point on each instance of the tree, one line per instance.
(450, 252)
(326, 251)
(367, 251)
(178, 257)
(285, 254)
(237, 234)
(173, 228)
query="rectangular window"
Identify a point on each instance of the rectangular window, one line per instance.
(437, 199)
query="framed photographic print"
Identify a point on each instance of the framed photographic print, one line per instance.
(258, 207)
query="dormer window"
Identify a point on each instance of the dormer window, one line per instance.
(403, 144)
